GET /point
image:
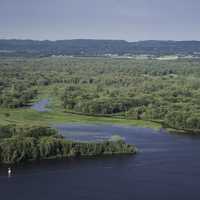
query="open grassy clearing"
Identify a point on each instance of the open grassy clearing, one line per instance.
(57, 115)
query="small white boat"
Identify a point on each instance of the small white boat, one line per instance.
(9, 172)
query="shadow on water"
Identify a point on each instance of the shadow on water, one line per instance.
(166, 167)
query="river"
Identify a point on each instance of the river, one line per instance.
(167, 167)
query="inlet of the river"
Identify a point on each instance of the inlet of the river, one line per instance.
(41, 106)
(167, 167)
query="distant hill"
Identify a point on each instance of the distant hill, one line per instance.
(87, 47)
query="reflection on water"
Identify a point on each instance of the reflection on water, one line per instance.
(166, 167)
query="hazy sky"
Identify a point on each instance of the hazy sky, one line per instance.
(102, 19)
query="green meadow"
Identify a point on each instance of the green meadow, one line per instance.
(57, 115)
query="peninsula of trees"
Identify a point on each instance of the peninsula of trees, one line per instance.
(22, 144)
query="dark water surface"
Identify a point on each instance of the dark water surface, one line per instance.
(166, 168)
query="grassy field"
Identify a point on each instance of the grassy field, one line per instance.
(56, 115)
(28, 116)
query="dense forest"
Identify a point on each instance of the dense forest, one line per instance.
(163, 91)
(21, 144)
(96, 47)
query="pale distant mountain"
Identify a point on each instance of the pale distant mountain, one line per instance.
(88, 47)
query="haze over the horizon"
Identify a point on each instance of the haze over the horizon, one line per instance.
(130, 20)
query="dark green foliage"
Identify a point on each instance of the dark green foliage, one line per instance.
(14, 96)
(7, 131)
(36, 132)
(18, 149)
(183, 120)
(29, 131)
(163, 91)
(24, 144)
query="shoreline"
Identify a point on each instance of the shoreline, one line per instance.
(26, 116)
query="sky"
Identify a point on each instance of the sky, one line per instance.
(130, 20)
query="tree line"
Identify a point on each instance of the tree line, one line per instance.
(164, 91)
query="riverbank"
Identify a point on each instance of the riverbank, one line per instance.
(20, 144)
(32, 117)
(46, 110)
(163, 162)
(56, 115)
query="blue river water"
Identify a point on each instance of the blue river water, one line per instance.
(41, 106)
(167, 167)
